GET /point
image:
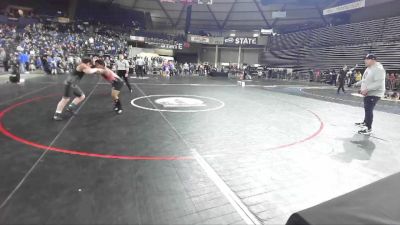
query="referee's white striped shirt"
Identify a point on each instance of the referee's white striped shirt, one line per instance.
(122, 64)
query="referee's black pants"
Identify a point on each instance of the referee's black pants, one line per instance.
(139, 71)
(369, 105)
(122, 73)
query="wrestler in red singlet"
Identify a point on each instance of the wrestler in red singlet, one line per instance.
(109, 75)
(116, 83)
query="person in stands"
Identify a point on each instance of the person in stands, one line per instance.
(358, 76)
(392, 81)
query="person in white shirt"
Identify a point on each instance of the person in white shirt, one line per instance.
(78, 60)
(70, 63)
(186, 68)
(122, 67)
(139, 67)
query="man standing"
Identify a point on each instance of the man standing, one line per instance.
(139, 67)
(342, 79)
(373, 89)
(70, 63)
(6, 59)
(122, 67)
(22, 59)
(186, 68)
(334, 77)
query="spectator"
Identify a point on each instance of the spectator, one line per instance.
(186, 68)
(172, 68)
(53, 64)
(38, 63)
(131, 66)
(77, 60)
(22, 60)
(341, 79)
(32, 66)
(334, 77)
(2, 58)
(358, 76)
(70, 63)
(392, 81)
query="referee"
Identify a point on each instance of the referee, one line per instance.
(139, 67)
(373, 89)
(122, 66)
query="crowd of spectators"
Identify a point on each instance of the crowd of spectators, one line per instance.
(393, 81)
(52, 46)
(56, 47)
(392, 86)
(353, 76)
(169, 67)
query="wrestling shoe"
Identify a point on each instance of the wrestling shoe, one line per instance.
(71, 108)
(116, 107)
(57, 117)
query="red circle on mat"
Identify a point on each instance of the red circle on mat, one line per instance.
(107, 156)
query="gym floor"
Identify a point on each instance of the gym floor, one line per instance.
(242, 155)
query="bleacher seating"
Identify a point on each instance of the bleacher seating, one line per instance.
(393, 31)
(333, 47)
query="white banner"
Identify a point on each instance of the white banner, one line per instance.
(199, 39)
(343, 8)
(63, 20)
(137, 38)
(216, 40)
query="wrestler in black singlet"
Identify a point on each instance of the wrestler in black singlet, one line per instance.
(71, 84)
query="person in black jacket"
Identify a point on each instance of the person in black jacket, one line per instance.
(6, 61)
(334, 77)
(342, 79)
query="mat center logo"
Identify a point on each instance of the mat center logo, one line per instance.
(177, 103)
(180, 102)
